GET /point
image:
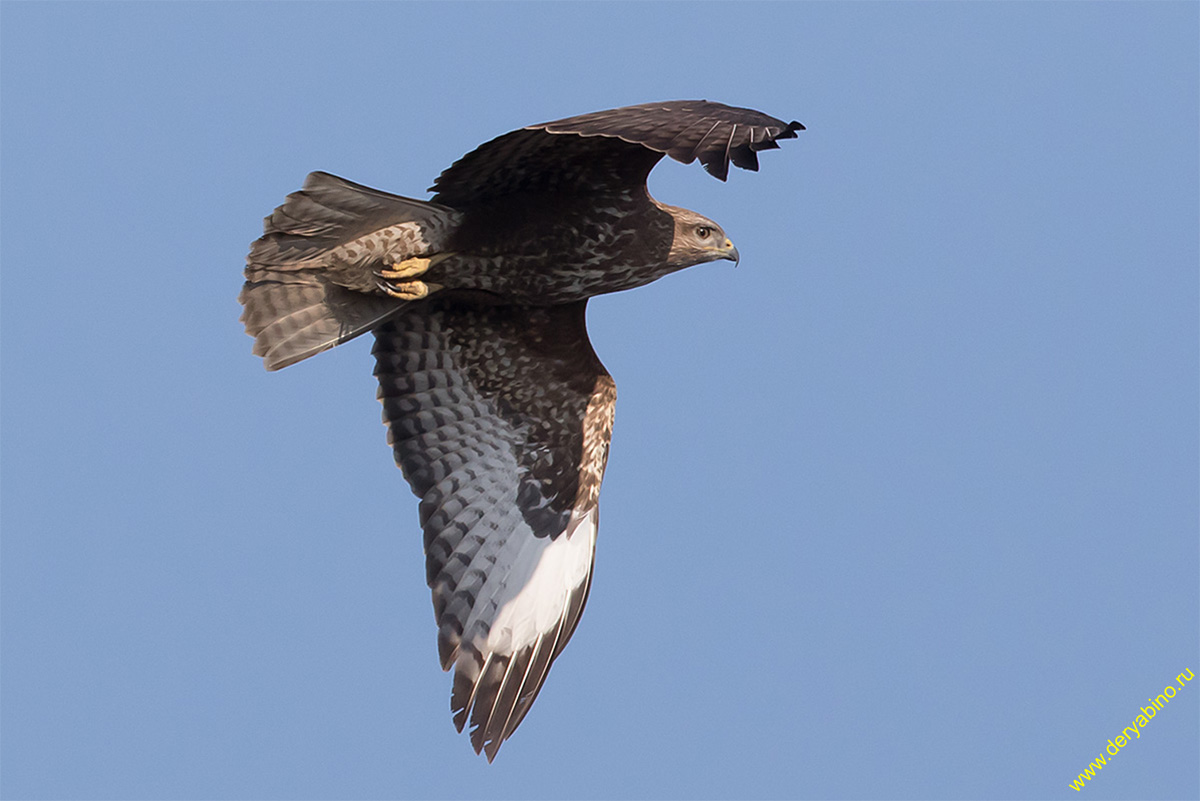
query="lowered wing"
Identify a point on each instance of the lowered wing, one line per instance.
(500, 418)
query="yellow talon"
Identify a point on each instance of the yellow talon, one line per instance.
(410, 268)
(409, 290)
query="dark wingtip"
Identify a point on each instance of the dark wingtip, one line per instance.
(718, 169)
(790, 131)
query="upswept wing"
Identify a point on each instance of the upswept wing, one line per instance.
(500, 418)
(611, 151)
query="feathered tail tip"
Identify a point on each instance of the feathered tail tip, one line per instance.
(294, 319)
(310, 278)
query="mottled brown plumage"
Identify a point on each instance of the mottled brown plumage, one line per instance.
(498, 411)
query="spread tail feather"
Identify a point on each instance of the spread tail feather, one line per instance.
(291, 321)
(310, 278)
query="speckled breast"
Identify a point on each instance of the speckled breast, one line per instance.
(540, 251)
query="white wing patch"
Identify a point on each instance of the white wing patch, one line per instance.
(531, 600)
(497, 415)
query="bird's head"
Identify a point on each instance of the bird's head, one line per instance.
(698, 240)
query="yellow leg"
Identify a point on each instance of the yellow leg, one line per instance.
(411, 268)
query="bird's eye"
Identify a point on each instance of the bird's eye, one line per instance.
(703, 231)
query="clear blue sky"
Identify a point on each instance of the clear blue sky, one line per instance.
(905, 506)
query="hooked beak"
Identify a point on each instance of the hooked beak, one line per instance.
(730, 252)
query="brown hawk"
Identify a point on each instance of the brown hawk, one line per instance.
(498, 411)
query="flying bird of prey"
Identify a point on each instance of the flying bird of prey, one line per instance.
(497, 409)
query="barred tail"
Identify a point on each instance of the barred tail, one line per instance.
(310, 278)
